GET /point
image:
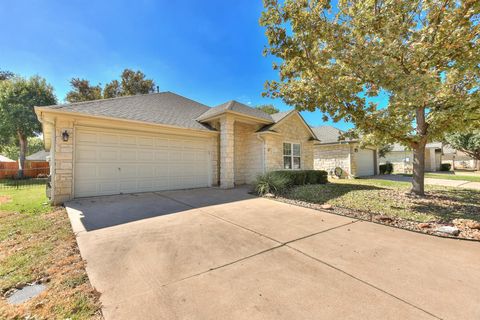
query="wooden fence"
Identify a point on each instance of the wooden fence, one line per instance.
(33, 169)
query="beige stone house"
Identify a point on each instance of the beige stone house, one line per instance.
(402, 157)
(332, 150)
(164, 141)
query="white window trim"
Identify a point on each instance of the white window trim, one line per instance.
(291, 155)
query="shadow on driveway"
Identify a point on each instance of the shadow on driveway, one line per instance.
(95, 213)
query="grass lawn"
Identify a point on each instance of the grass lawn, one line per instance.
(390, 198)
(470, 178)
(37, 243)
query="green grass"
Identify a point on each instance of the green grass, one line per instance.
(391, 198)
(36, 241)
(28, 200)
(447, 176)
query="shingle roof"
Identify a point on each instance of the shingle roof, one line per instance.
(329, 134)
(5, 159)
(38, 156)
(238, 107)
(161, 108)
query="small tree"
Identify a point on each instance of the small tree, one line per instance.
(468, 143)
(18, 121)
(268, 108)
(422, 55)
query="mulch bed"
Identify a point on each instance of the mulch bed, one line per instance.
(469, 229)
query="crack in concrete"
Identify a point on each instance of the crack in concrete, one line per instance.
(286, 244)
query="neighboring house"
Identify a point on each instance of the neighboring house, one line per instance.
(5, 159)
(402, 157)
(333, 150)
(40, 156)
(458, 159)
(164, 141)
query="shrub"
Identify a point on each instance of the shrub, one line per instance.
(271, 182)
(445, 167)
(302, 177)
(386, 168)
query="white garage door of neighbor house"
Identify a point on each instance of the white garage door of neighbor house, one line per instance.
(365, 162)
(113, 162)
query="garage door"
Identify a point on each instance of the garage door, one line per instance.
(365, 162)
(114, 162)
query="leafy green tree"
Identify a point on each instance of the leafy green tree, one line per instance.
(468, 143)
(11, 149)
(83, 91)
(423, 55)
(5, 75)
(268, 108)
(18, 121)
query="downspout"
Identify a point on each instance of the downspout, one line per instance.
(264, 153)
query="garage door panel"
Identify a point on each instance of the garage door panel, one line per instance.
(365, 162)
(118, 162)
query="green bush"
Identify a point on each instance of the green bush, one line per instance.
(271, 182)
(445, 167)
(302, 177)
(386, 168)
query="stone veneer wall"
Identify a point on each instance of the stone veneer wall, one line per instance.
(291, 130)
(227, 152)
(397, 159)
(248, 153)
(328, 157)
(63, 175)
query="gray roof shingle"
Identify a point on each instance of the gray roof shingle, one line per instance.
(38, 156)
(329, 134)
(160, 108)
(164, 108)
(397, 147)
(238, 107)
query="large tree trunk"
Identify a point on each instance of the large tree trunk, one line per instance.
(22, 140)
(418, 181)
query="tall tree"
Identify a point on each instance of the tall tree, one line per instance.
(268, 108)
(83, 91)
(5, 75)
(468, 143)
(423, 55)
(18, 121)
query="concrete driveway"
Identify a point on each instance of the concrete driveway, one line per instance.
(223, 254)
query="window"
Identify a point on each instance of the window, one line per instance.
(291, 156)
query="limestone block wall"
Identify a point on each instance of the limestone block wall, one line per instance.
(227, 152)
(62, 176)
(248, 153)
(328, 157)
(291, 130)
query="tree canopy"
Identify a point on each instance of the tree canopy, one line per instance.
(18, 121)
(268, 108)
(421, 55)
(131, 83)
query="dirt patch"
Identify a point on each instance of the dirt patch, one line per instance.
(5, 199)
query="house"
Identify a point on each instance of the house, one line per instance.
(458, 159)
(333, 150)
(5, 159)
(163, 141)
(402, 157)
(40, 156)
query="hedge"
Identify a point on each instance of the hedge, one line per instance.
(301, 177)
(445, 167)
(386, 168)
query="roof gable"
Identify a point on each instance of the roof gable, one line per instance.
(281, 117)
(236, 107)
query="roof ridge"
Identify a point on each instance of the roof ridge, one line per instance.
(107, 99)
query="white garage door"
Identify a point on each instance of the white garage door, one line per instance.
(365, 162)
(114, 162)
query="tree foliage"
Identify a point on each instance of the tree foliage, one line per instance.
(131, 83)
(5, 75)
(11, 149)
(468, 142)
(268, 108)
(422, 55)
(18, 121)
(83, 91)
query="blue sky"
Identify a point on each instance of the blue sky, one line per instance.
(209, 51)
